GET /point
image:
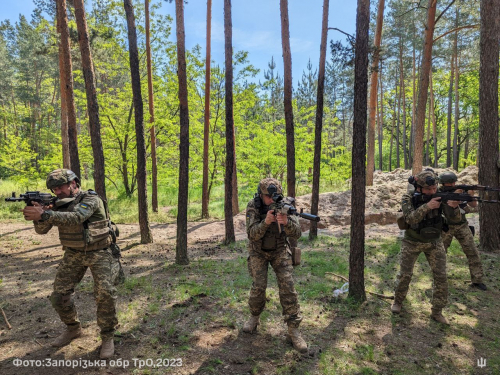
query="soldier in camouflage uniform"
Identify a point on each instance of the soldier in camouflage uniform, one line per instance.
(461, 231)
(423, 234)
(87, 238)
(268, 246)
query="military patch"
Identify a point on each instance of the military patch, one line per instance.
(83, 205)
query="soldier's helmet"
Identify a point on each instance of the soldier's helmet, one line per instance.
(447, 178)
(60, 177)
(266, 186)
(426, 179)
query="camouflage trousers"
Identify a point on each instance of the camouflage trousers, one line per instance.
(281, 262)
(436, 256)
(464, 236)
(104, 268)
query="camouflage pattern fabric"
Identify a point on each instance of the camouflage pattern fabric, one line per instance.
(104, 266)
(436, 256)
(464, 236)
(281, 262)
(71, 271)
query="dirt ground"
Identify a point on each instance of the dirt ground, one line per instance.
(29, 262)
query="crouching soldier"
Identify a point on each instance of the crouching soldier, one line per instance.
(423, 223)
(268, 245)
(87, 237)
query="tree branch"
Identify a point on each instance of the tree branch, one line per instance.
(456, 29)
(448, 7)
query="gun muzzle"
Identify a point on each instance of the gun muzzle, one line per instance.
(309, 217)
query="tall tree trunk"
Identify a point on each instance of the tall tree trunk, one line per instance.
(392, 136)
(181, 255)
(434, 126)
(68, 92)
(427, 156)
(381, 123)
(142, 191)
(290, 132)
(457, 109)
(313, 232)
(152, 131)
(466, 150)
(398, 157)
(403, 93)
(235, 203)
(228, 51)
(489, 214)
(92, 105)
(373, 94)
(206, 133)
(357, 245)
(424, 88)
(64, 113)
(448, 129)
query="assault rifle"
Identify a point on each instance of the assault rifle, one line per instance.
(420, 198)
(468, 187)
(45, 199)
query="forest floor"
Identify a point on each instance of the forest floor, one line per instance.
(195, 313)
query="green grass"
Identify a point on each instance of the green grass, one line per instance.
(124, 209)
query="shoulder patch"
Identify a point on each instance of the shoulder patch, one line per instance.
(84, 205)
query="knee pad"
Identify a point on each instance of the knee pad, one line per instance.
(60, 300)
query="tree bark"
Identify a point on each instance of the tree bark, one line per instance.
(313, 232)
(357, 244)
(456, 151)
(488, 154)
(228, 202)
(381, 122)
(427, 149)
(142, 198)
(181, 255)
(374, 94)
(69, 97)
(205, 197)
(434, 126)
(64, 113)
(152, 131)
(92, 105)
(448, 128)
(398, 157)
(290, 132)
(424, 88)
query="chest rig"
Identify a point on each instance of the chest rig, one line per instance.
(92, 234)
(430, 228)
(273, 239)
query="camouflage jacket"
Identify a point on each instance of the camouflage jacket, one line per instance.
(90, 208)
(257, 227)
(414, 216)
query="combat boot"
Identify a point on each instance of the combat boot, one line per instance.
(251, 325)
(396, 308)
(438, 317)
(67, 336)
(107, 348)
(298, 342)
(479, 286)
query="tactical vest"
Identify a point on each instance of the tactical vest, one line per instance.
(273, 239)
(448, 211)
(429, 229)
(92, 234)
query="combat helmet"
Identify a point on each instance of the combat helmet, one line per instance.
(447, 177)
(266, 186)
(60, 177)
(426, 178)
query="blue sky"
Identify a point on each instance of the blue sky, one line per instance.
(256, 28)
